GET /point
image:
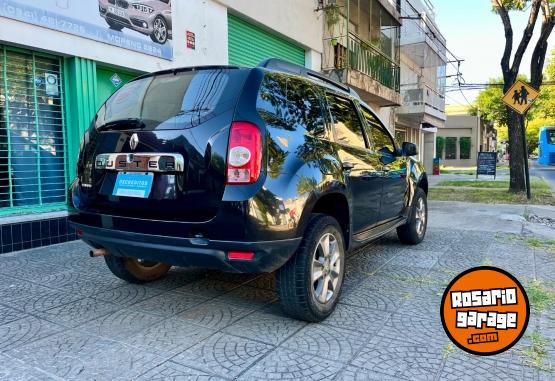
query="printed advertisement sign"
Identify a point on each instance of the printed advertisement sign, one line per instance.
(144, 26)
(485, 310)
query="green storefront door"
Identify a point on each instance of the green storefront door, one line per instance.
(249, 44)
(108, 81)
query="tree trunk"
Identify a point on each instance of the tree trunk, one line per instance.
(510, 72)
(517, 181)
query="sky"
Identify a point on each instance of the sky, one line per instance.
(474, 33)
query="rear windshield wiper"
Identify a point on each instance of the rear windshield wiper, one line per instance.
(122, 124)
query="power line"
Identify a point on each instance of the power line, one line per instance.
(455, 100)
(465, 98)
(432, 32)
(482, 86)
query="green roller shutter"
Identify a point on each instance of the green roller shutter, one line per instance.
(108, 81)
(249, 44)
(32, 131)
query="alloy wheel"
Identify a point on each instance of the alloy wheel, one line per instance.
(160, 30)
(326, 268)
(420, 217)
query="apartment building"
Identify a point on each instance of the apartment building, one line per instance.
(423, 76)
(361, 49)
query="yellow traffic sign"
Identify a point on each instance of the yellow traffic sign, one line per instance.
(520, 96)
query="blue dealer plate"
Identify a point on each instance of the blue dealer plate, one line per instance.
(133, 184)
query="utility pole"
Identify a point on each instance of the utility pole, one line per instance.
(521, 118)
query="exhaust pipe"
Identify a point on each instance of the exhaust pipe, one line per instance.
(98, 253)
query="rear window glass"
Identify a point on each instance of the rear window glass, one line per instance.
(180, 100)
(290, 103)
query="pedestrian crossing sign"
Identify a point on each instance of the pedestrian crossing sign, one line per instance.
(520, 96)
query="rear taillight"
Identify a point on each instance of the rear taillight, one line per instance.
(244, 157)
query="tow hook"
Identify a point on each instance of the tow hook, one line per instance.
(98, 253)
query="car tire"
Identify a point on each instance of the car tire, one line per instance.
(114, 26)
(134, 270)
(304, 283)
(160, 31)
(414, 230)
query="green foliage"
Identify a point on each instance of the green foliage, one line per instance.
(540, 296)
(536, 353)
(536, 182)
(451, 148)
(544, 106)
(533, 131)
(502, 133)
(550, 69)
(518, 5)
(490, 196)
(489, 103)
(541, 114)
(440, 144)
(332, 16)
(464, 147)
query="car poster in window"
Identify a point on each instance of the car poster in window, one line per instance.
(141, 25)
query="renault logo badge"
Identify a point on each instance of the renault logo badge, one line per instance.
(134, 141)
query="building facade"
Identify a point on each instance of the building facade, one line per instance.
(423, 75)
(393, 54)
(61, 59)
(462, 137)
(361, 49)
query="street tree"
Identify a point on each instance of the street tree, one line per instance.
(511, 69)
(544, 106)
(489, 104)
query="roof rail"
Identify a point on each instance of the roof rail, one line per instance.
(185, 68)
(285, 66)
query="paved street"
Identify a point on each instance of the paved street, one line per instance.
(64, 316)
(545, 172)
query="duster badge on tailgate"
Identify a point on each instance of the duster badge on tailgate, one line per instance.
(141, 162)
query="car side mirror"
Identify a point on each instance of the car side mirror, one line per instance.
(409, 149)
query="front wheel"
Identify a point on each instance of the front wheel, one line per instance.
(309, 284)
(414, 230)
(135, 270)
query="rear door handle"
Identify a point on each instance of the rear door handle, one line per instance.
(347, 166)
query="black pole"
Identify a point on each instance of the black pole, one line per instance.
(526, 171)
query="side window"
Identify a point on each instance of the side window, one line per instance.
(290, 103)
(346, 123)
(380, 139)
(272, 100)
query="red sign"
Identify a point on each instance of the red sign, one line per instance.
(190, 40)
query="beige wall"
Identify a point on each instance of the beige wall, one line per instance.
(461, 126)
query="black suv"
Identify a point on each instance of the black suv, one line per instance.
(244, 170)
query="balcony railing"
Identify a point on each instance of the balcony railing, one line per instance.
(362, 57)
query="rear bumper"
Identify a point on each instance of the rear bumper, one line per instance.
(268, 255)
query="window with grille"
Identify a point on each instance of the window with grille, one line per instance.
(32, 141)
(450, 148)
(464, 147)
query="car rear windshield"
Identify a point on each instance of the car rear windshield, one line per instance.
(173, 100)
